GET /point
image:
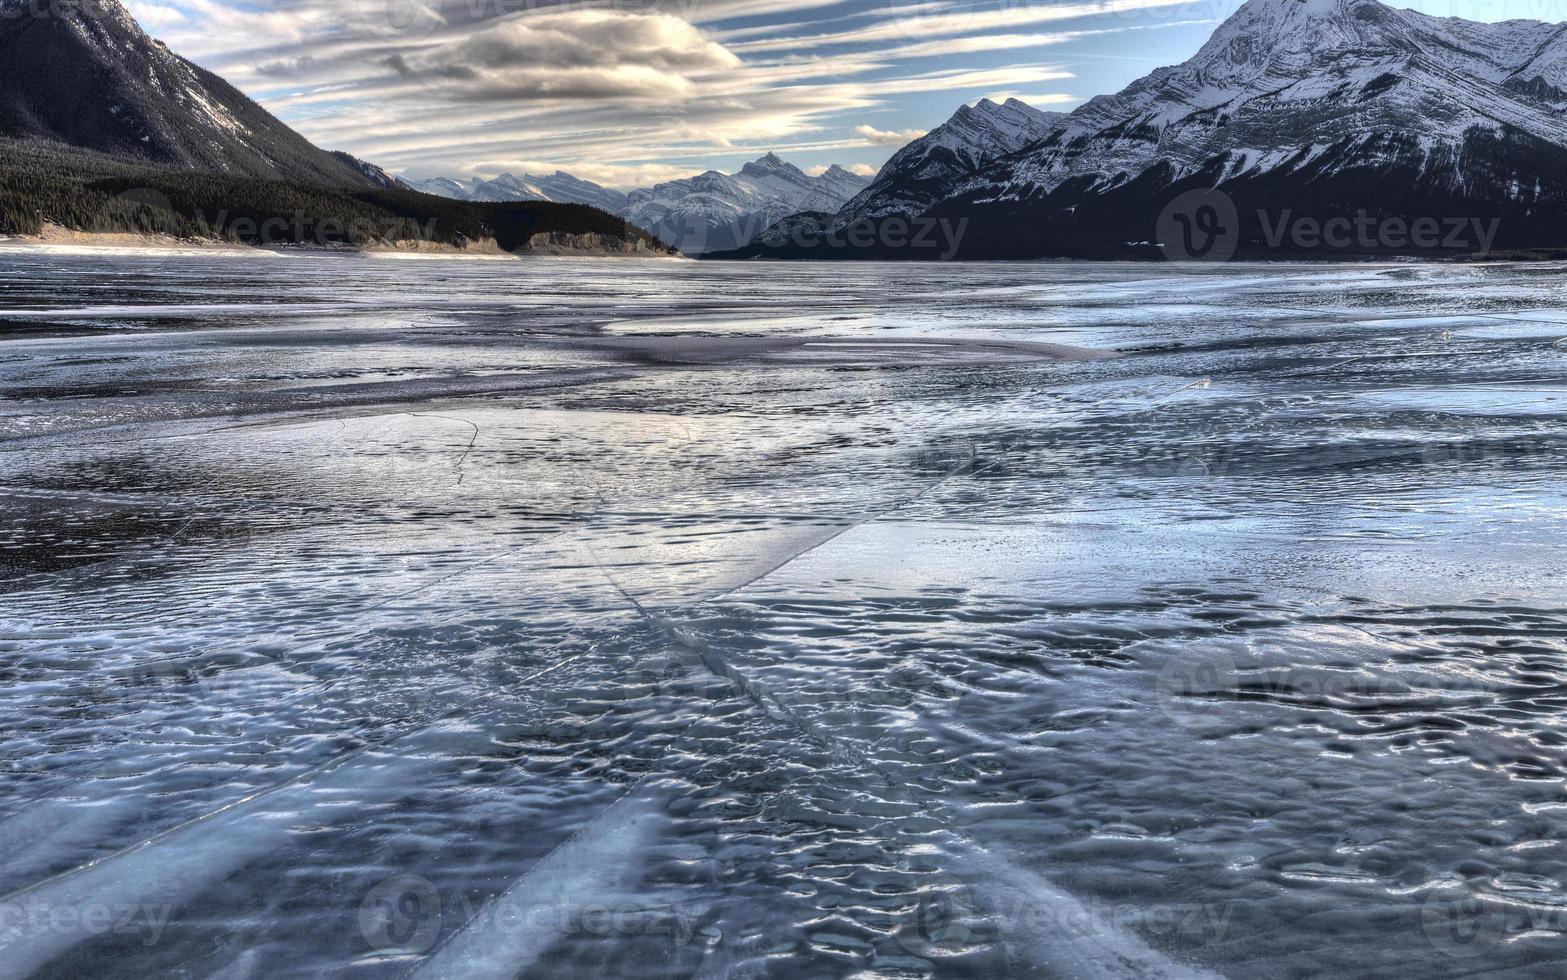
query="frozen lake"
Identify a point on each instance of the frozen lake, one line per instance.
(376, 618)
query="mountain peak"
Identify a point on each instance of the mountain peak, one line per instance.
(98, 10)
(1276, 16)
(983, 109)
(1011, 116)
(993, 112)
(87, 75)
(1304, 8)
(1312, 6)
(975, 135)
(772, 165)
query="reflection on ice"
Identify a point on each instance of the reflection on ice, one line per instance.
(588, 618)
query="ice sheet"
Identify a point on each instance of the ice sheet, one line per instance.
(666, 619)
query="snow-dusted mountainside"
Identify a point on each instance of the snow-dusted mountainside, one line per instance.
(506, 187)
(377, 176)
(440, 186)
(839, 185)
(566, 189)
(1288, 83)
(931, 167)
(1326, 107)
(86, 75)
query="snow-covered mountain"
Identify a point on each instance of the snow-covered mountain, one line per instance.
(716, 211)
(440, 187)
(563, 187)
(928, 169)
(840, 184)
(1285, 83)
(86, 75)
(506, 187)
(703, 213)
(1313, 106)
(559, 187)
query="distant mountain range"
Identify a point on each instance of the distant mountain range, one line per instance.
(559, 186)
(1297, 111)
(711, 211)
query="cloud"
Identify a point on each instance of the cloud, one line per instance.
(608, 175)
(1034, 99)
(861, 169)
(288, 67)
(889, 137)
(924, 22)
(623, 90)
(740, 111)
(578, 54)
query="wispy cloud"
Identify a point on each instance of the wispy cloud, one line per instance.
(584, 54)
(888, 137)
(952, 20)
(626, 90)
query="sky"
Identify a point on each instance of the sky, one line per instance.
(630, 92)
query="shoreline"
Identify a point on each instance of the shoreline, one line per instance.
(61, 241)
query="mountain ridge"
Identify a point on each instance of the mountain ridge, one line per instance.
(1335, 69)
(915, 177)
(707, 211)
(87, 75)
(1322, 108)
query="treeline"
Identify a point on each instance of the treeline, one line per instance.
(42, 184)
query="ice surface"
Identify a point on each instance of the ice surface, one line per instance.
(654, 619)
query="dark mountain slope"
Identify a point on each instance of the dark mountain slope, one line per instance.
(86, 75)
(102, 129)
(44, 183)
